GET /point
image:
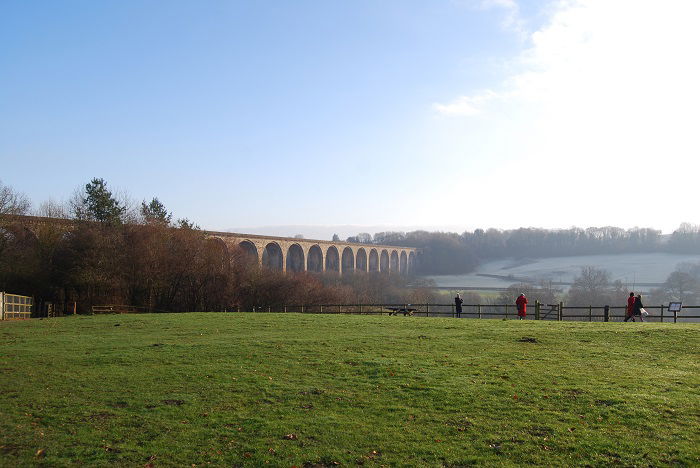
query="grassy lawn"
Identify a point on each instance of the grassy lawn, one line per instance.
(322, 390)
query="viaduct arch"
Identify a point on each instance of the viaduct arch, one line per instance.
(280, 253)
(295, 255)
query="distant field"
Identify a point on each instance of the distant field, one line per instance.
(323, 390)
(631, 269)
(447, 296)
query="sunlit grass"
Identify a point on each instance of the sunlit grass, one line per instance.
(291, 389)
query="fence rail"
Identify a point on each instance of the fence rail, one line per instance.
(14, 306)
(119, 309)
(537, 311)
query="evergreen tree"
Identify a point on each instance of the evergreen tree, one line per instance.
(98, 204)
(184, 223)
(155, 212)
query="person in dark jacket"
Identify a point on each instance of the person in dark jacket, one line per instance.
(458, 305)
(638, 309)
(629, 314)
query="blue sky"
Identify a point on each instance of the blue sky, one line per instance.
(455, 114)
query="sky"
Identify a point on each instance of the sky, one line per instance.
(448, 114)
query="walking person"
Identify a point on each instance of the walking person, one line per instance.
(521, 303)
(629, 314)
(638, 306)
(458, 305)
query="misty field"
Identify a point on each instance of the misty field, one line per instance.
(326, 390)
(631, 269)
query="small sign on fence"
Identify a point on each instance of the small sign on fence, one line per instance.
(674, 306)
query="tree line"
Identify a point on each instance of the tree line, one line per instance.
(113, 252)
(118, 252)
(452, 253)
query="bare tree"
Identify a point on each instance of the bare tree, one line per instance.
(591, 287)
(52, 209)
(12, 202)
(681, 286)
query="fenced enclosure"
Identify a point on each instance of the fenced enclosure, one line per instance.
(536, 311)
(14, 306)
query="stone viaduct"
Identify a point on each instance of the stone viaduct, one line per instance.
(281, 253)
(292, 254)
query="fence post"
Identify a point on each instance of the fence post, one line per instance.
(285, 309)
(662, 313)
(453, 310)
(537, 310)
(427, 309)
(590, 313)
(269, 308)
(606, 313)
(478, 309)
(506, 310)
(360, 309)
(561, 311)
(675, 316)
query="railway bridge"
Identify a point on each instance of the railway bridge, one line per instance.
(295, 255)
(288, 254)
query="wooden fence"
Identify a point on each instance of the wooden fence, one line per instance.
(122, 309)
(14, 306)
(536, 311)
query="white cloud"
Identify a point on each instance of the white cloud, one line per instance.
(597, 52)
(602, 105)
(465, 105)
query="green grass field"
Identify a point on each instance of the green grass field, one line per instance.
(323, 390)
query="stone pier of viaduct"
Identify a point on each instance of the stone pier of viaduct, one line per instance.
(293, 254)
(281, 253)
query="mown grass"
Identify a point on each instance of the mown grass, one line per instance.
(320, 390)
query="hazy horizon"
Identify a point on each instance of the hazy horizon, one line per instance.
(321, 232)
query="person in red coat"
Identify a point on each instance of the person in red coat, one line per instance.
(521, 302)
(630, 307)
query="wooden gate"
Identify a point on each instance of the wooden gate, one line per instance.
(14, 306)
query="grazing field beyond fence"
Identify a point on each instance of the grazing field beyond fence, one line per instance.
(276, 389)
